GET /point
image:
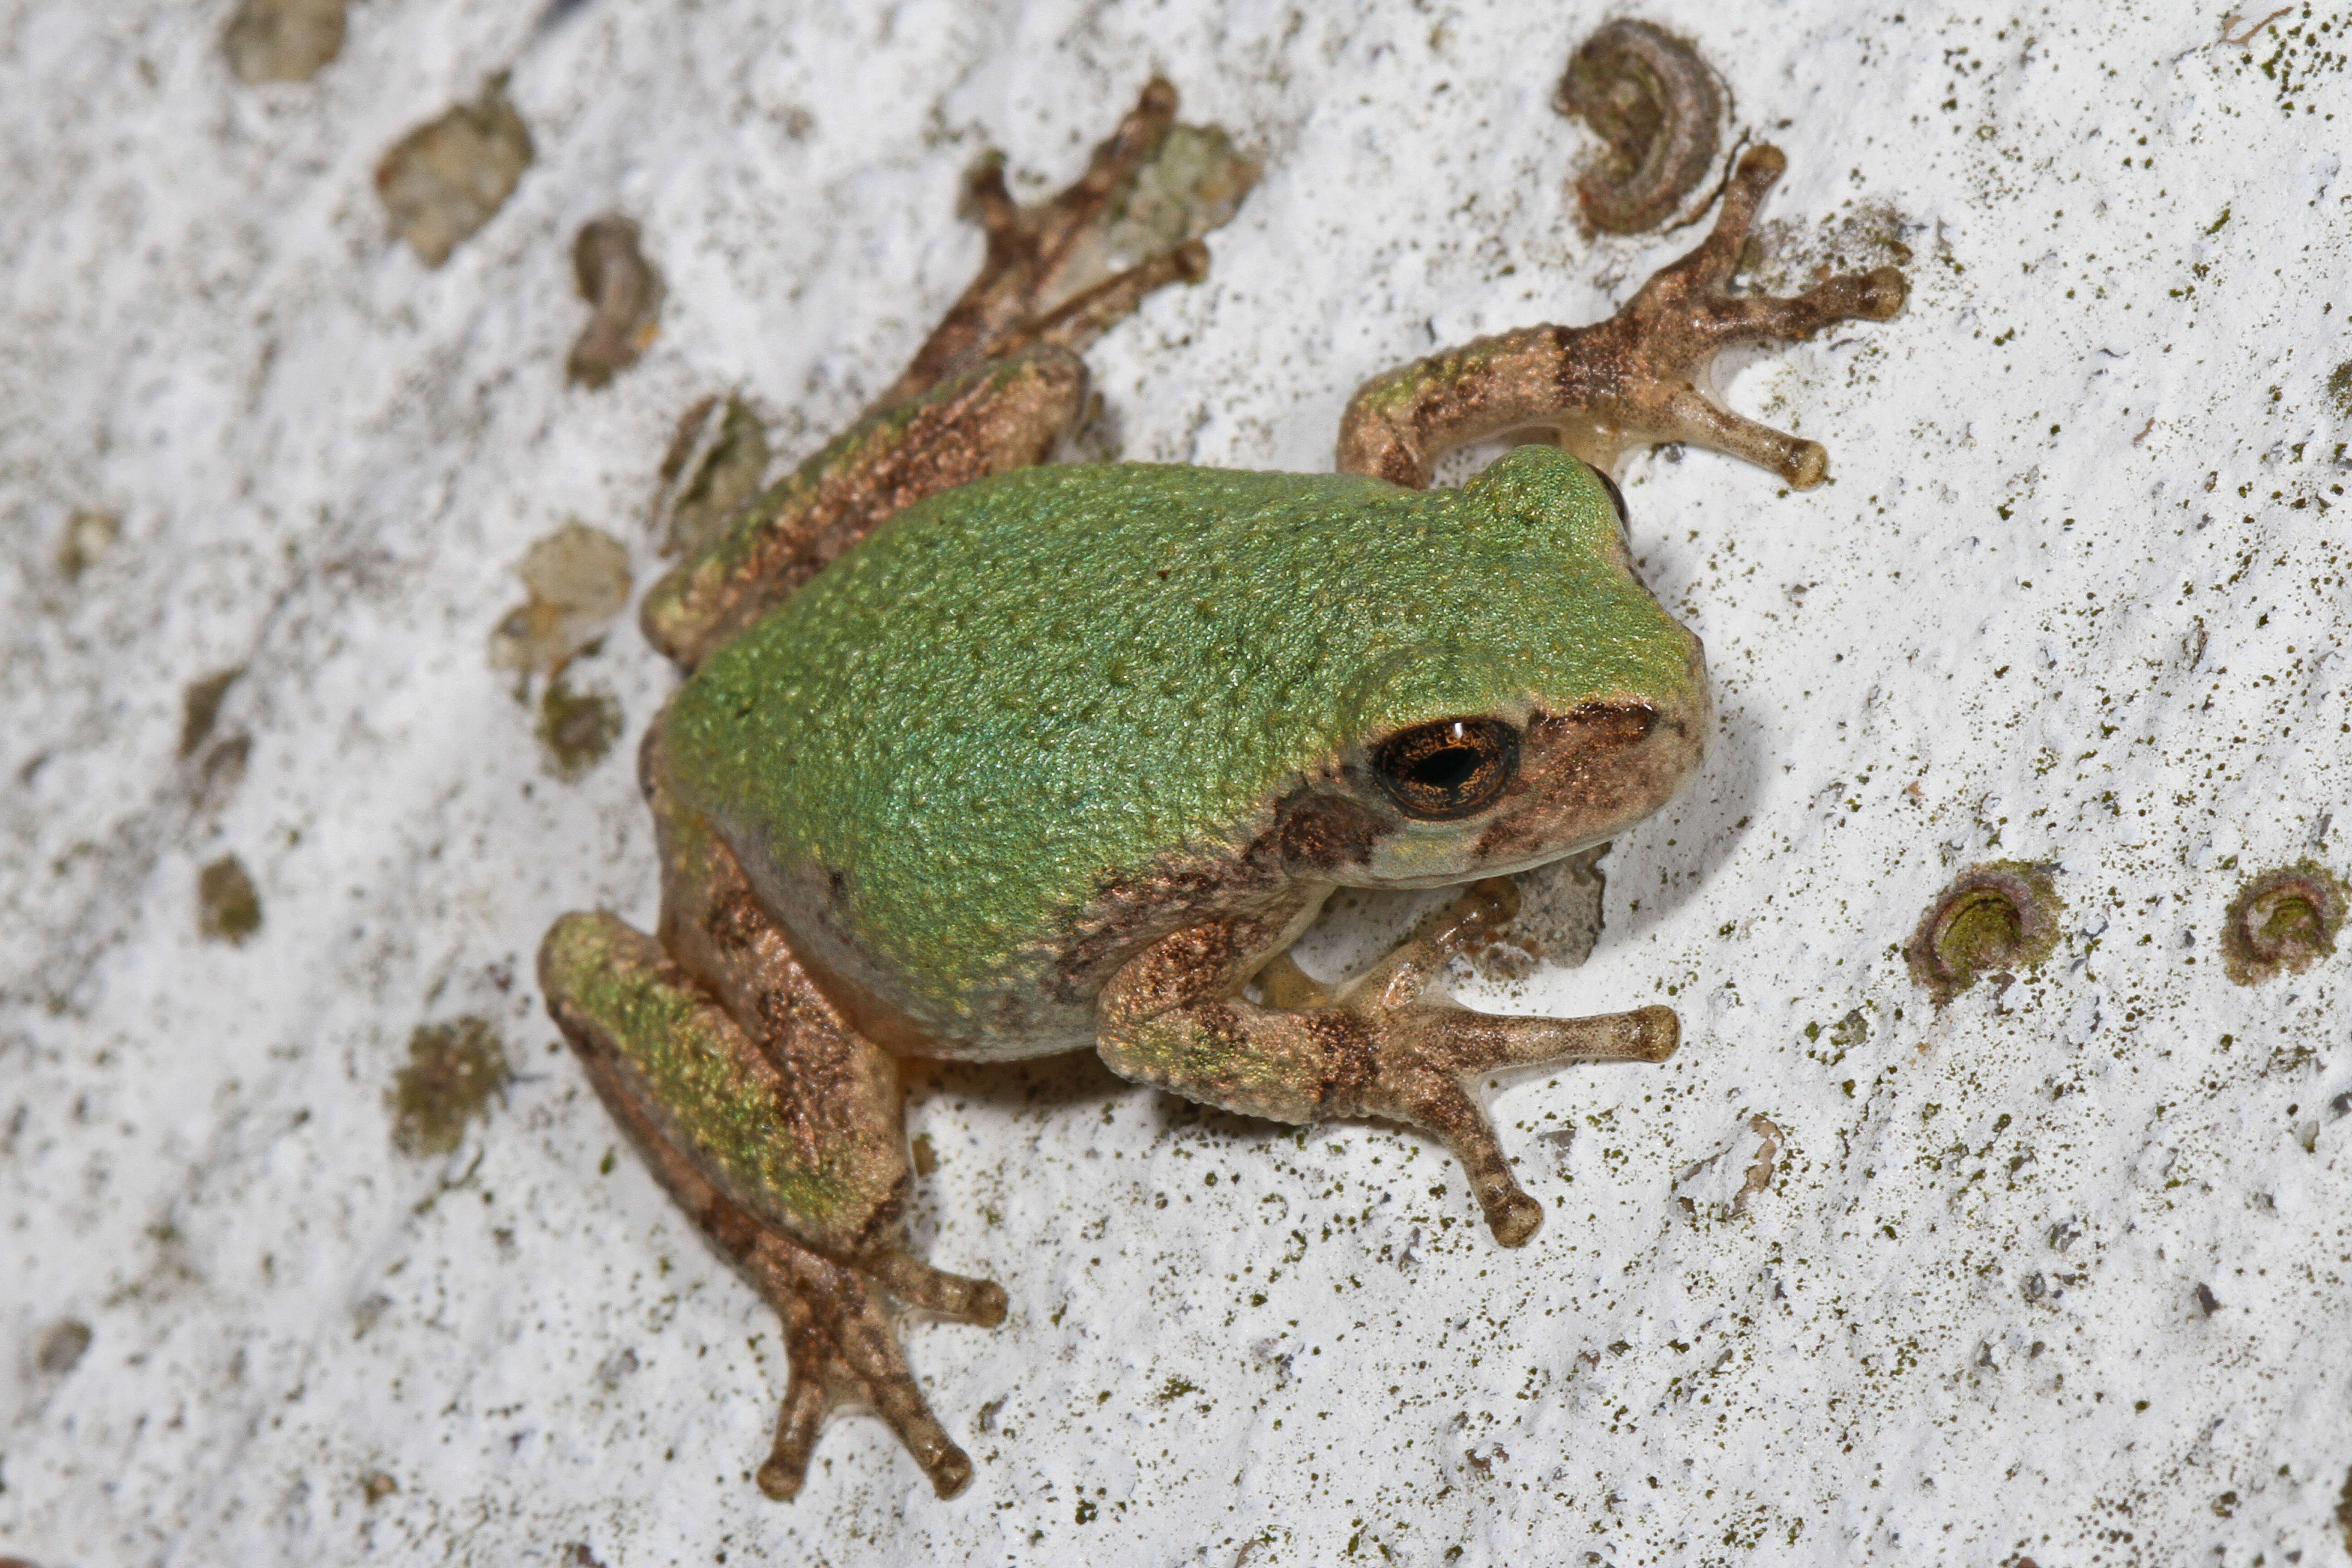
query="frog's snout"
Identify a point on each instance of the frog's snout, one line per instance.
(1603, 765)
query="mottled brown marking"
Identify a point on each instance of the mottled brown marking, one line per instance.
(1129, 914)
(1319, 833)
(1352, 1054)
(1585, 775)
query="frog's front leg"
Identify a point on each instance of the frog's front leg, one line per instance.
(1623, 383)
(1174, 1016)
(995, 386)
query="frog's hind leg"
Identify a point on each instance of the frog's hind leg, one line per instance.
(1003, 414)
(1046, 276)
(806, 1216)
(1630, 381)
(996, 385)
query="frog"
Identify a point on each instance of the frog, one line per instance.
(980, 756)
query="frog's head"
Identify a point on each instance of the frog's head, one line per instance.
(1544, 705)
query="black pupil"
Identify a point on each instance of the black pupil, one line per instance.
(1447, 770)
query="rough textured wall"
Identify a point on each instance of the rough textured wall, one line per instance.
(2055, 1270)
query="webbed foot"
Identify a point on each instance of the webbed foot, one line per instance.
(1632, 380)
(1152, 189)
(1429, 1054)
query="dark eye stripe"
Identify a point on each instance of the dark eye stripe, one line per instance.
(1447, 769)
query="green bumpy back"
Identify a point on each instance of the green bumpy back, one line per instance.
(1023, 689)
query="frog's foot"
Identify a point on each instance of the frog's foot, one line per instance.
(1429, 1055)
(1173, 1016)
(1628, 382)
(1047, 277)
(805, 1209)
(842, 1351)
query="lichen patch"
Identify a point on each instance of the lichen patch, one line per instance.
(2282, 922)
(454, 1070)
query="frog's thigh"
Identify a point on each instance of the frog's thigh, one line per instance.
(717, 1095)
(709, 1115)
(1174, 1016)
(1005, 414)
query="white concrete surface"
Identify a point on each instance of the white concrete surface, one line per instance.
(2077, 595)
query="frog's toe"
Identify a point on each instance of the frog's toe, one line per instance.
(956, 1296)
(1433, 1055)
(805, 1405)
(1691, 416)
(1429, 1095)
(843, 1350)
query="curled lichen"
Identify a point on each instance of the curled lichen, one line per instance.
(714, 465)
(577, 578)
(1994, 918)
(1654, 104)
(2282, 921)
(624, 296)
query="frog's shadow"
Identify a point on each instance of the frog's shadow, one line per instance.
(1070, 1085)
(1659, 865)
(1059, 1083)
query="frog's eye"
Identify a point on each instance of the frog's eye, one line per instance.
(1616, 496)
(1448, 769)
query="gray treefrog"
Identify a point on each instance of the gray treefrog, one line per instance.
(983, 757)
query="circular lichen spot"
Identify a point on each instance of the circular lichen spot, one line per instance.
(2339, 388)
(2282, 921)
(284, 40)
(452, 1071)
(229, 908)
(2002, 915)
(1652, 100)
(61, 1347)
(577, 728)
